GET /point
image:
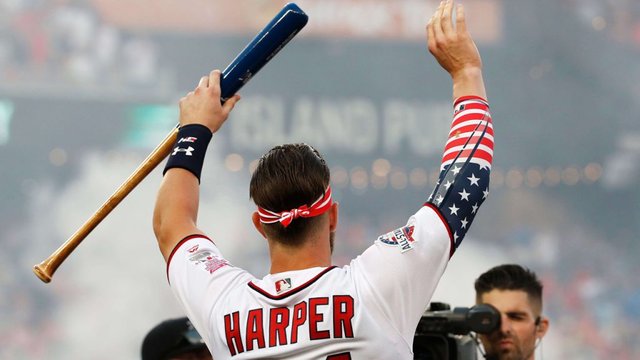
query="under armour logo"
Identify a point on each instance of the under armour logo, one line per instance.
(188, 151)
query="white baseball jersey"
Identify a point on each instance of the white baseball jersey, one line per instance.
(368, 309)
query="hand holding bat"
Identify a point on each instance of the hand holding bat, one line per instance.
(264, 46)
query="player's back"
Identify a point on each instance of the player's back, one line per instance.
(366, 310)
(307, 314)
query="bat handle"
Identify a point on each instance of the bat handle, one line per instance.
(44, 270)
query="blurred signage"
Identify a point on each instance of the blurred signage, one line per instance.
(373, 19)
(6, 114)
(148, 124)
(357, 126)
(350, 126)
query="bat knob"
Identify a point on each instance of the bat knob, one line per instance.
(41, 274)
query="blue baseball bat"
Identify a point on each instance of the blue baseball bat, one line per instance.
(278, 32)
(264, 46)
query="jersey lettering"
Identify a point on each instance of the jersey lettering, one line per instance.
(315, 317)
(254, 329)
(299, 318)
(284, 323)
(233, 332)
(279, 321)
(342, 315)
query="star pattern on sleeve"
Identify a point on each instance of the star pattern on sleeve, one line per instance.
(466, 166)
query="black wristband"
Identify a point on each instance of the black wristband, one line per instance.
(190, 148)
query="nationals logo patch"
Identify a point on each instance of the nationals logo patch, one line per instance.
(402, 237)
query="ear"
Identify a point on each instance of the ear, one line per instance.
(257, 224)
(542, 327)
(333, 217)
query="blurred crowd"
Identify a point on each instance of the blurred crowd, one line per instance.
(27, 329)
(619, 18)
(589, 291)
(49, 41)
(66, 41)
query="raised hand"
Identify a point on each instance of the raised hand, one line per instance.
(203, 106)
(455, 51)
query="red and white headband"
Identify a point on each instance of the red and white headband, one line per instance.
(319, 207)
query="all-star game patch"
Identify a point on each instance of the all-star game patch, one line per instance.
(210, 260)
(402, 237)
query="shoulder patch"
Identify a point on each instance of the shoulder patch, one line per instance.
(402, 237)
(208, 261)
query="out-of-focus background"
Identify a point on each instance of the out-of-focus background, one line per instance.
(88, 88)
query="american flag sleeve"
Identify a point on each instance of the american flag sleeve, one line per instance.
(463, 183)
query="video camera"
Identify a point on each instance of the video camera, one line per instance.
(443, 334)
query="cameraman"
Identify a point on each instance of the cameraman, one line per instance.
(516, 293)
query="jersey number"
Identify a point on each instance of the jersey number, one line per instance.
(341, 356)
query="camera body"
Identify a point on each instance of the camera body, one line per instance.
(443, 334)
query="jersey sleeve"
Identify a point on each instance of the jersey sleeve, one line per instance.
(199, 277)
(401, 270)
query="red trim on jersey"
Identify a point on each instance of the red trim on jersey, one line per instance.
(292, 291)
(446, 225)
(180, 243)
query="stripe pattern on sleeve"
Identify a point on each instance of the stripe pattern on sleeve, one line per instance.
(463, 183)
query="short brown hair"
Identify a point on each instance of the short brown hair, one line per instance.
(510, 277)
(287, 177)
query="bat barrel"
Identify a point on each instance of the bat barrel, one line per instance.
(264, 46)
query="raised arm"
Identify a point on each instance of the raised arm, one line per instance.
(176, 209)
(455, 51)
(466, 164)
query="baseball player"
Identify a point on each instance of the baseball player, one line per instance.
(305, 308)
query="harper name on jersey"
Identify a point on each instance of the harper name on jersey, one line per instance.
(283, 323)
